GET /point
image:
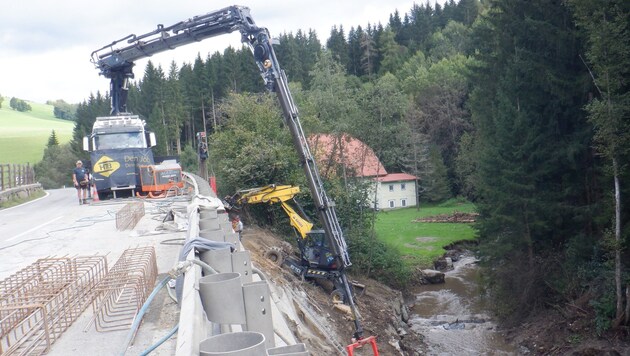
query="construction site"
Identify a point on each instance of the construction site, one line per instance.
(169, 276)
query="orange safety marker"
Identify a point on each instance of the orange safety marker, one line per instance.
(360, 343)
(94, 193)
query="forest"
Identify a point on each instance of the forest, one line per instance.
(520, 106)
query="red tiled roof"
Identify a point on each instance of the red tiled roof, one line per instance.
(331, 150)
(396, 177)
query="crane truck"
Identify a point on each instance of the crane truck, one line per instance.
(116, 60)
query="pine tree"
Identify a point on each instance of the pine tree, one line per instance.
(52, 139)
(532, 142)
(338, 46)
(86, 114)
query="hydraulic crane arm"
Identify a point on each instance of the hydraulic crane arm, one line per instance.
(116, 60)
(274, 194)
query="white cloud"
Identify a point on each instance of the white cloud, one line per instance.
(45, 46)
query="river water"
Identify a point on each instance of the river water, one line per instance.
(452, 315)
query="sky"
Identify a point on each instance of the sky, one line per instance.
(45, 46)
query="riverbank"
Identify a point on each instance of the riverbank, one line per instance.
(567, 329)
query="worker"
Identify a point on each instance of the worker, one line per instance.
(80, 180)
(237, 226)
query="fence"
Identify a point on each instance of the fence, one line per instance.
(14, 175)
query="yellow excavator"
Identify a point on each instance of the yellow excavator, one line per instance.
(316, 258)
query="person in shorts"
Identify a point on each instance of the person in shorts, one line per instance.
(80, 180)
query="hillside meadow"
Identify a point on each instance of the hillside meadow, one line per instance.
(23, 135)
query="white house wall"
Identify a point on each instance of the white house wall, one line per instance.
(397, 195)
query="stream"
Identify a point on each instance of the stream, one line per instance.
(452, 317)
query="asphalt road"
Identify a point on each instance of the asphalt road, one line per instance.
(57, 226)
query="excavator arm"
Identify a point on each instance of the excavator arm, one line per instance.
(277, 194)
(116, 60)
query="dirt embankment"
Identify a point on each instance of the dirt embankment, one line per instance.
(568, 330)
(326, 329)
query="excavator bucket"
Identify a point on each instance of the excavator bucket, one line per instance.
(362, 342)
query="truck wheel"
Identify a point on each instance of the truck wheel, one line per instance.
(275, 255)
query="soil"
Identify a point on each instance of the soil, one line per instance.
(326, 329)
(567, 331)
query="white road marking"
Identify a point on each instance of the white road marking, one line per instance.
(35, 228)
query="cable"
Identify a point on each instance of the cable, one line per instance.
(160, 342)
(171, 242)
(206, 267)
(91, 220)
(143, 310)
(259, 273)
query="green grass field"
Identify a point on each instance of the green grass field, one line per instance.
(422, 243)
(23, 135)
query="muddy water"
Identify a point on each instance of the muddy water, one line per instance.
(453, 318)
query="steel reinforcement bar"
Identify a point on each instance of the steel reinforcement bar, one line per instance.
(39, 302)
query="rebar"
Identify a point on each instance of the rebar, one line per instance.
(129, 215)
(39, 302)
(125, 288)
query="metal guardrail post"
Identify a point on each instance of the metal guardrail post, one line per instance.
(258, 310)
(231, 237)
(241, 263)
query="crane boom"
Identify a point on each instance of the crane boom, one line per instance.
(116, 60)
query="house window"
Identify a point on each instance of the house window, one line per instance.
(403, 202)
(391, 187)
(392, 204)
(402, 186)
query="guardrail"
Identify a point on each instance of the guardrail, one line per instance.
(15, 175)
(234, 311)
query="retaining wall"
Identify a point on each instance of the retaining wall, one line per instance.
(21, 192)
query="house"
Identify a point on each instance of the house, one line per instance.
(346, 156)
(396, 190)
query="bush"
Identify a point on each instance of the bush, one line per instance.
(19, 105)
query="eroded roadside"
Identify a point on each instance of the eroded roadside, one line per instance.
(325, 328)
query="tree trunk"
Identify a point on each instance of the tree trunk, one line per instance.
(618, 240)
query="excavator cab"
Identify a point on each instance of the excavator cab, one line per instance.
(316, 252)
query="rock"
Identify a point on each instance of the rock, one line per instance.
(404, 314)
(433, 276)
(444, 264)
(343, 308)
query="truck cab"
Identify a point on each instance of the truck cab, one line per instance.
(118, 146)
